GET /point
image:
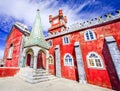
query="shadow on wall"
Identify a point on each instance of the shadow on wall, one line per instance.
(110, 68)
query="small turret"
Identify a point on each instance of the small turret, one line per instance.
(58, 23)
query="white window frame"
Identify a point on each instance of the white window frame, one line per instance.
(52, 59)
(67, 64)
(66, 36)
(10, 51)
(88, 31)
(51, 43)
(95, 66)
(55, 21)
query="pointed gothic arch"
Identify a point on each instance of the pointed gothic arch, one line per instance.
(29, 57)
(89, 35)
(41, 59)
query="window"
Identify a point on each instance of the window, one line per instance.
(51, 60)
(55, 21)
(50, 42)
(94, 60)
(68, 60)
(66, 40)
(62, 29)
(10, 51)
(89, 35)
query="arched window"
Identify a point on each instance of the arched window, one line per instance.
(51, 60)
(68, 60)
(94, 60)
(89, 35)
(50, 43)
(10, 51)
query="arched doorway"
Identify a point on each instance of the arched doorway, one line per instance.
(29, 58)
(41, 60)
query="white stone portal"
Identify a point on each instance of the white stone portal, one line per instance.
(34, 55)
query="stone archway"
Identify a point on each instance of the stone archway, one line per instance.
(41, 60)
(29, 58)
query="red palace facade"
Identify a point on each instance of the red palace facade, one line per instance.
(87, 52)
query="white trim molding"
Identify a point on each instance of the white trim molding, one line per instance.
(94, 60)
(66, 40)
(67, 61)
(89, 35)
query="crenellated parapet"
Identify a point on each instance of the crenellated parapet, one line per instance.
(90, 23)
(58, 23)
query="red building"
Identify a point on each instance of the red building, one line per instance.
(87, 52)
(14, 45)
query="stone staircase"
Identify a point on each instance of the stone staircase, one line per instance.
(34, 76)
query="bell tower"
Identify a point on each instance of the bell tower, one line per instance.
(58, 23)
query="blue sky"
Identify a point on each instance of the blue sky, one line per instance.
(24, 11)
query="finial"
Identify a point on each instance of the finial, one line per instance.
(38, 10)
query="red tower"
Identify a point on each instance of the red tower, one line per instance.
(58, 23)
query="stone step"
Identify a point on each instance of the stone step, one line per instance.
(41, 80)
(37, 81)
(24, 70)
(35, 76)
(46, 74)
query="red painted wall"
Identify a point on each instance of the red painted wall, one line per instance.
(15, 38)
(5, 71)
(100, 77)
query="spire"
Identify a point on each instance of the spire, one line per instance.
(36, 36)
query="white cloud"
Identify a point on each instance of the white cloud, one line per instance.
(26, 10)
(1, 53)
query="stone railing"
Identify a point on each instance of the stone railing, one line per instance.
(93, 22)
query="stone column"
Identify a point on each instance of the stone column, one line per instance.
(24, 61)
(21, 52)
(114, 52)
(47, 64)
(80, 64)
(35, 62)
(31, 62)
(58, 62)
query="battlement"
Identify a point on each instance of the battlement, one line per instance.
(57, 22)
(60, 15)
(90, 23)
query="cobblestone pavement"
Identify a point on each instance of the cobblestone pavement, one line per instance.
(59, 84)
